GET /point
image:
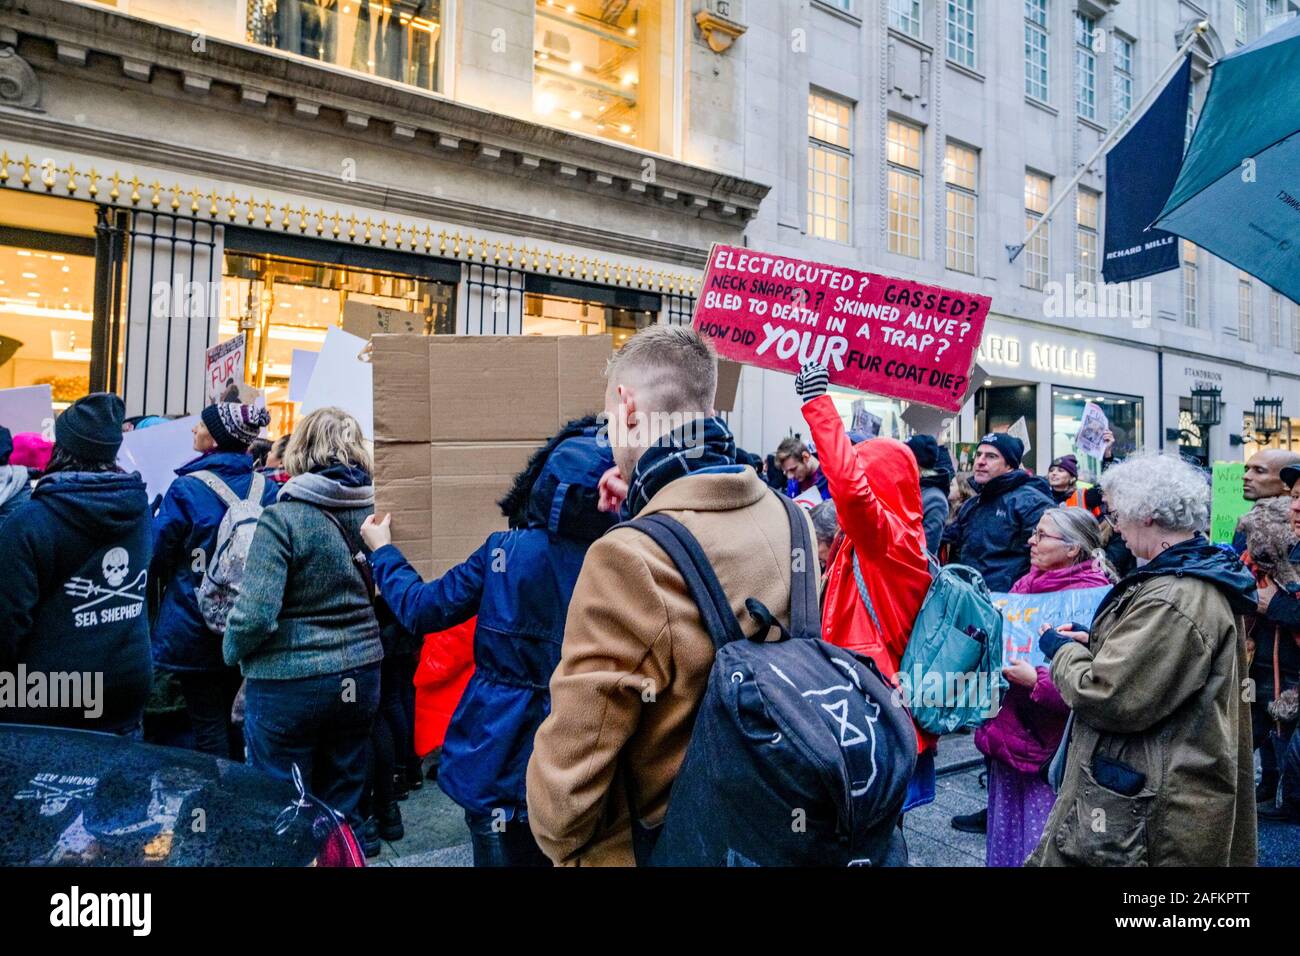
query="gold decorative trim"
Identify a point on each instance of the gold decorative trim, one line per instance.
(131, 193)
(719, 32)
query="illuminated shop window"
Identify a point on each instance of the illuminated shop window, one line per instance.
(47, 291)
(286, 305)
(398, 40)
(605, 69)
(558, 315)
(1123, 412)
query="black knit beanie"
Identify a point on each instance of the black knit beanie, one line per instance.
(91, 427)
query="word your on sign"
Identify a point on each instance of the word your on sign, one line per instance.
(874, 333)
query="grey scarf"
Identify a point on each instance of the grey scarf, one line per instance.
(326, 492)
(12, 479)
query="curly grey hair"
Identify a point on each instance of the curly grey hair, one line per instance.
(1164, 488)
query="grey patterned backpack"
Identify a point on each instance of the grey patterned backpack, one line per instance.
(224, 574)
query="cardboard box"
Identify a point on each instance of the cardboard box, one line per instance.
(457, 417)
(728, 382)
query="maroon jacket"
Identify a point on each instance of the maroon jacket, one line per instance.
(1028, 729)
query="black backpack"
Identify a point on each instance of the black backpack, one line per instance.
(800, 754)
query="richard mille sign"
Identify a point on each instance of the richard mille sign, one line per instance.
(1006, 350)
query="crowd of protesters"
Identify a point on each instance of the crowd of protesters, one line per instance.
(571, 658)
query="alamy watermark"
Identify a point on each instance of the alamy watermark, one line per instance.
(22, 689)
(1084, 299)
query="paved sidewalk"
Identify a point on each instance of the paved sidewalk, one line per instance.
(436, 834)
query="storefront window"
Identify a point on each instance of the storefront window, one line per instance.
(1123, 412)
(283, 305)
(556, 315)
(397, 40)
(859, 412)
(606, 69)
(47, 281)
(1288, 438)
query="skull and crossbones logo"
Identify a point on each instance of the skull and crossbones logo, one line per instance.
(117, 563)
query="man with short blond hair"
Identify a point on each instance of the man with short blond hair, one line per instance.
(636, 655)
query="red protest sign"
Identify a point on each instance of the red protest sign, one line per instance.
(875, 333)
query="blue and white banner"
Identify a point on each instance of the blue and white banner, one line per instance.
(1024, 614)
(1140, 173)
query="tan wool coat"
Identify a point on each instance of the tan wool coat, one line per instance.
(635, 661)
(1159, 687)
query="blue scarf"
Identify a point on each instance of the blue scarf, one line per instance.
(698, 445)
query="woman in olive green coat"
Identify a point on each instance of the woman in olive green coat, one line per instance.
(1157, 765)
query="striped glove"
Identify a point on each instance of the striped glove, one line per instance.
(812, 381)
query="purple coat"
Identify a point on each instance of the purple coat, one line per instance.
(1028, 729)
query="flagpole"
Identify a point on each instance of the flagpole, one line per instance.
(1013, 251)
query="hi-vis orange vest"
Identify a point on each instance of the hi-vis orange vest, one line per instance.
(1076, 500)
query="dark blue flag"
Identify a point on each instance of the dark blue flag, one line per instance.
(1140, 173)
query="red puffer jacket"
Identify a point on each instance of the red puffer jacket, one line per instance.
(446, 663)
(876, 487)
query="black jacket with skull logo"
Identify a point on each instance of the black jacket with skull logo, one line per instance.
(74, 624)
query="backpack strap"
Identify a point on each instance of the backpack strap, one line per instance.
(256, 488)
(805, 609)
(696, 569)
(355, 551)
(218, 488)
(862, 589)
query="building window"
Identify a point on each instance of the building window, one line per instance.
(1121, 87)
(961, 32)
(905, 16)
(1086, 217)
(292, 304)
(903, 142)
(1275, 319)
(1191, 316)
(562, 315)
(1123, 412)
(1240, 19)
(1245, 309)
(399, 40)
(961, 176)
(606, 69)
(830, 166)
(47, 296)
(1038, 191)
(1085, 67)
(1036, 84)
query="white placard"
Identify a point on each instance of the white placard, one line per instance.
(341, 379)
(1021, 430)
(925, 420)
(156, 452)
(301, 367)
(1091, 438)
(29, 408)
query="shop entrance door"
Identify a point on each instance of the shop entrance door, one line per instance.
(998, 407)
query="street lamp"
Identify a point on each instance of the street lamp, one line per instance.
(1268, 418)
(1207, 407)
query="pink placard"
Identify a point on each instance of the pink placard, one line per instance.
(875, 333)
